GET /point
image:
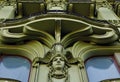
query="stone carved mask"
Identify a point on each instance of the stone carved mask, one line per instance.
(58, 63)
(58, 66)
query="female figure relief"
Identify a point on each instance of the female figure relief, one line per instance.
(58, 69)
(58, 61)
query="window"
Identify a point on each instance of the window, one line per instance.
(101, 68)
(14, 67)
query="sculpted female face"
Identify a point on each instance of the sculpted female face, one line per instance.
(58, 62)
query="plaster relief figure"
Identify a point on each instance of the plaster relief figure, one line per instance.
(58, 61)
(58, 69)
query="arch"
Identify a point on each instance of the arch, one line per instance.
(15, 67)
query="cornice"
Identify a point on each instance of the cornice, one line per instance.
(51, 15)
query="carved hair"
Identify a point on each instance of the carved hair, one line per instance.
(58, 55)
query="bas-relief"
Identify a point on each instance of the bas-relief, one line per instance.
(58, 69)
(59, 63)
(56, 4)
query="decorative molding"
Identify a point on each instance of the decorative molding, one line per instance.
(30, 50)
(84, 50)
(43, 30)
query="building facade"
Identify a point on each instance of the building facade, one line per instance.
(59, 41)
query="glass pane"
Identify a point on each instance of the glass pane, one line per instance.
(15, 68)
(101, 68)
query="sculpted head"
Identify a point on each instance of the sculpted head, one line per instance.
(58, 62)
